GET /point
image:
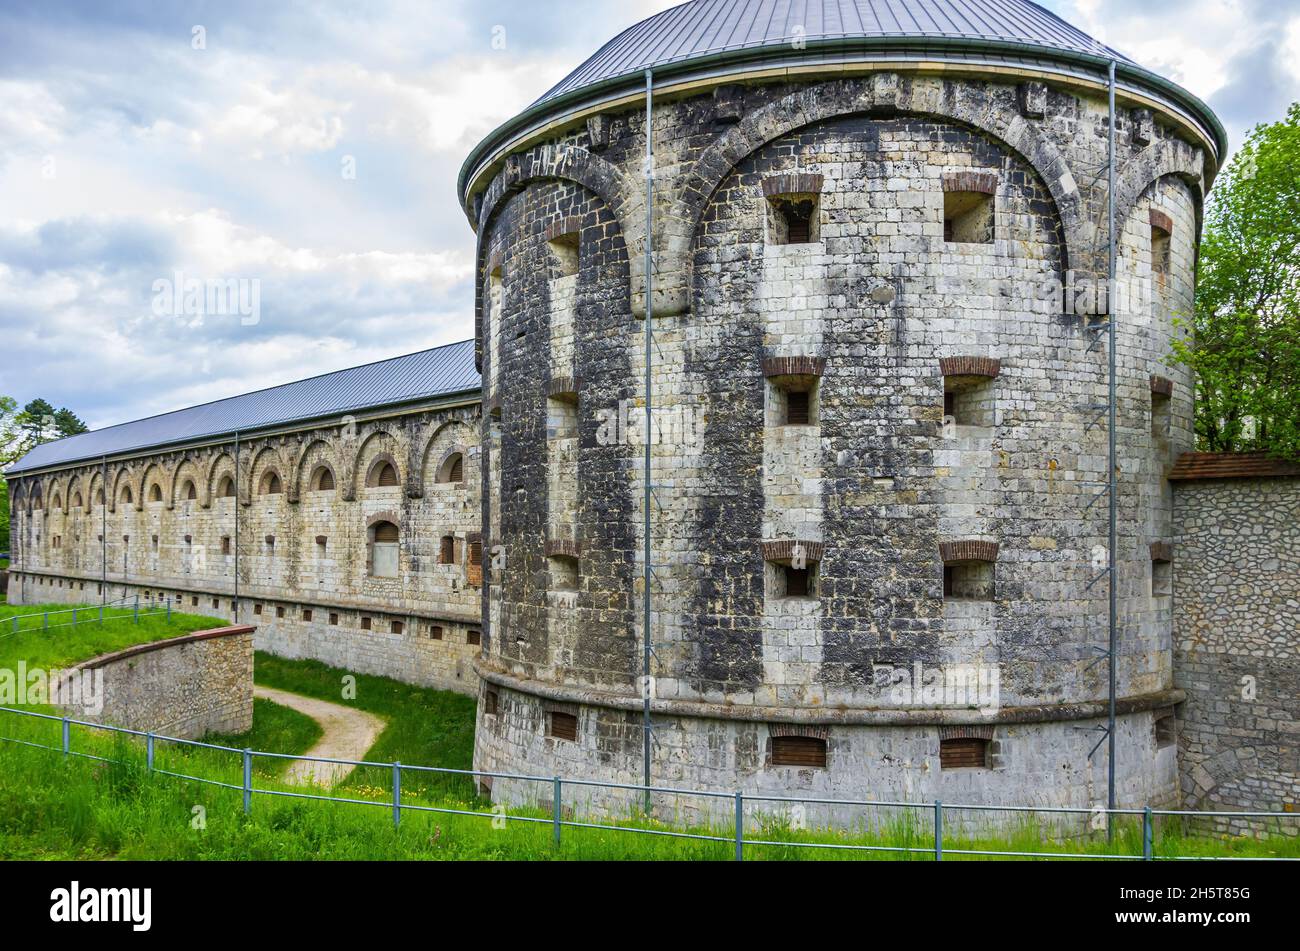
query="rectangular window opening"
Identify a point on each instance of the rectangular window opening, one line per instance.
(968, 581)
(562, 726)
(968, 218)
(964, 753)
(793, 219)
(1162, 578)
(805, 752)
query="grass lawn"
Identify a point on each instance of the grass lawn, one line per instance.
(53, 806)
(65, 644)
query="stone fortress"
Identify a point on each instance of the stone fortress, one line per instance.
(879, 376)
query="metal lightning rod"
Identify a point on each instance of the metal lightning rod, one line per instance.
(649, 348)
(1113, 460)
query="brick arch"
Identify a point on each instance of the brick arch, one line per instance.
(1169, 158)
(880, 95)
(566, 163)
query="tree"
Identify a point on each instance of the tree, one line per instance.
(1245, 332)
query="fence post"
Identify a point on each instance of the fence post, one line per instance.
(67, 736)
(136, 612)
(45, 621)
(938, 831)
(169, 609)
(740, 826)
(556, 806)
(397, 794)
(148, 746)
(1148, 835)
(248, 782)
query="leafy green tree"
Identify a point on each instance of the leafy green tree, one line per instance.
(67, 423)
(1245, 333)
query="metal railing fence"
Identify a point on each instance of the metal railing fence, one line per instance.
(739, 801)
(91, 614)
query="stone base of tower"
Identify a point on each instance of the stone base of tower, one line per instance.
(1043, 764)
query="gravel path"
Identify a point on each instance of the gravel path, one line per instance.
(348, 734)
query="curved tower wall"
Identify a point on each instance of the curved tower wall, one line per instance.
(880, 489)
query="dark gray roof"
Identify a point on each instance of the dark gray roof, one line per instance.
(442, 371)
(705, 27)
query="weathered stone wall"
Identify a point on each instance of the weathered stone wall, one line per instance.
(1236, 571)
(878, 481)
(185, 687)
(304, 553)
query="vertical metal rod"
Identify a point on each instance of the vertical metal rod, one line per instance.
(148, 746)
(236, 614)
(248, 782)
(938, 831)
(103, 538)
(397, 794)
(555, 810)
(740, 826)
(649, 427)
(67, 736)
(1148, 835)
(1112, 319)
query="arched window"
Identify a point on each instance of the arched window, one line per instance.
(76, 501)
(189, 491)
(58, 502)
(226, 488)
(155, 493)
(99, 496)
(271, 484)
(381, 559)
(126, 494)
(383, 475)
(322, 480)
(453, 468)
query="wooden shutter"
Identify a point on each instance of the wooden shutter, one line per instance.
(386, 532)
(797, 408)
(447, 553)
(799, 228)
(808, 752)
(475, 566)
(326, 481)
(963, 753)
(490, 702)
(564, 726)
(473, 637)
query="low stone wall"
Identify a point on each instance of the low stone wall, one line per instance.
(1237, 647)
(183, 687)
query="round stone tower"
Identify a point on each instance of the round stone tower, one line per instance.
(879, 381)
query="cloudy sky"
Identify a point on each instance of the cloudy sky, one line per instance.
(313, 148)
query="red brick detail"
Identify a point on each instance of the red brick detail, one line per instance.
(1162, 386)
(563, 228)
(799, 729)
(1192, 466)
(989, 367)
(966, 732)
(1162, 551)
(792, 183)
(986, 183)
(563, 386)
(969, 549)
(784, 550)
(1162, 221)
(794, 366)
(562, 547)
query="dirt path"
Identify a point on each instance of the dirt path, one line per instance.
(348, 733)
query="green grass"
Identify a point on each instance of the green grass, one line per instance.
(57, 807)
(425, 727)
(65, 644)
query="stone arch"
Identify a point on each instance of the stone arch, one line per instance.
(152, 475)
(185, 475)
(76, 498)
(94, 486)
(379, 440)
(568, 163)
(315, 453)
(221, 465)
(122, 475)
(376, 464)
(1163, 159)
(452, 436)
(882, 94)
(265, 462)
(55, 494)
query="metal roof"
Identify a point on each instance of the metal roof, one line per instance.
(1196, 466)
(442, 371)
(705, 27)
